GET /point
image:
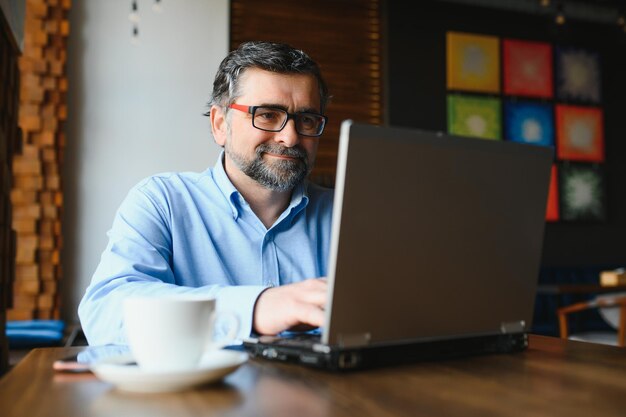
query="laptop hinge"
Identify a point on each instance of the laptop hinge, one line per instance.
(513, 326)
(354, 339)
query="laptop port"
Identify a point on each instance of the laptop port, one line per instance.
(309, 359)
(348, 360)
(270, 353)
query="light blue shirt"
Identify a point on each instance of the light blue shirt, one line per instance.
(193, 233)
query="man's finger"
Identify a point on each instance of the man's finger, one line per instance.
(311, 315)
(315, 297)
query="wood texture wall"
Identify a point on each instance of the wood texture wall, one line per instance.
(36, 195)
(344, 37)
(9, 140)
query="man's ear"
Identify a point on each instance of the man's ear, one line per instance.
(218, 125)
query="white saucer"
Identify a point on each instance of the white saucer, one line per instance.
(212, 367)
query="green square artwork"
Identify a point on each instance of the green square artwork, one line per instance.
(478, 117)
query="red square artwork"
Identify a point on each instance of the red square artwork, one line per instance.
(579, 133)
(552, 209)
(527, 68)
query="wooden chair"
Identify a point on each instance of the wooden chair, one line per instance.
(602, 302)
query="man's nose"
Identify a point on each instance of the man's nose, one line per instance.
(288, 136)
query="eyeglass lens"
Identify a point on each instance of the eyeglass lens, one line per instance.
(272, 119)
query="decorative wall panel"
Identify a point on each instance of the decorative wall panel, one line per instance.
(37, 194)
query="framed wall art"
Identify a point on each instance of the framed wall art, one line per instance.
(552, 208)
(529, 122)
(474, 116)
(582, 191)
(578, 75)
(527, 68)
(580, 133)
(473, 62)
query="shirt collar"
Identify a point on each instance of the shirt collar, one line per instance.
(299, 196)
(226, 187)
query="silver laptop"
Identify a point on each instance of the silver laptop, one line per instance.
(435, 250)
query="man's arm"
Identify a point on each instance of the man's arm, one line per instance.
(137, 261)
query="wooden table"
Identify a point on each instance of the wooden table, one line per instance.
(552, 378)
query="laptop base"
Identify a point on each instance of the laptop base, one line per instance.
(371, 357)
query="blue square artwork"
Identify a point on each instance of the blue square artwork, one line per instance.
(529, 123)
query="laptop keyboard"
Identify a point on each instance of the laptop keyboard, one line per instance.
(293, 339)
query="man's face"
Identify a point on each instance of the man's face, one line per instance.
(276, 160)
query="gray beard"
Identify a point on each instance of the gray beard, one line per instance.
(280, 175)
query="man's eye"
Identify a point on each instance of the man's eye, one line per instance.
(268, 115)
(307, 120)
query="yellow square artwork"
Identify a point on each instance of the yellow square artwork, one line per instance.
(473, 62)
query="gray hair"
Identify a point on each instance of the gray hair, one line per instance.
(275, 57)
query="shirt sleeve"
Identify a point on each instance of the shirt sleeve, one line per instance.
(137, 261)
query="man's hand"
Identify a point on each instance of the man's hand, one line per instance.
(294, 306)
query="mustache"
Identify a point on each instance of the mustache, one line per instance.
(293, 152)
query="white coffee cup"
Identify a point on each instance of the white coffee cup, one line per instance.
(172, 333)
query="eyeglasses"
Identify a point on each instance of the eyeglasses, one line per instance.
(272, 119)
